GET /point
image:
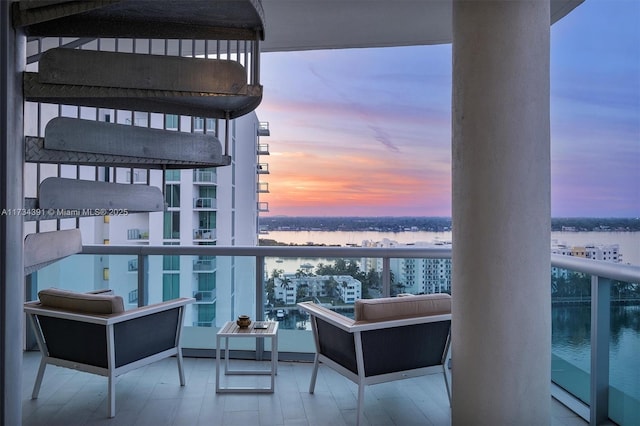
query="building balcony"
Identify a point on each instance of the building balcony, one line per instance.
(263, 187)
(133, 297)
(204, 203)
(137, 234)
(132, 265)
(204, 265)
(204, 177)
(204, 296)
(263, 168)
(204, 234)
(263, 129)
(263, 149)
(574, 376)
(263, 207)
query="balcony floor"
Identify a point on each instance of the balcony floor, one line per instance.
(152, 396)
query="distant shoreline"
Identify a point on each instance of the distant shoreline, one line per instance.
(429, 224)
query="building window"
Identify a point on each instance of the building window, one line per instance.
(212, 125)
(207, 220)
(206, 315)
(172, 195)
(171, 121)
(170, 286)
(206, 282)
(170, 263)
(198, 124)
(172, 175)
(171, 225)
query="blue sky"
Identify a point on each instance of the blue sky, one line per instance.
(367, 132)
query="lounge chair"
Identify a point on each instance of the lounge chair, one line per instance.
(92, 332)
(389, 339)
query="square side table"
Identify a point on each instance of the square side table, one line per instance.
(232, 330)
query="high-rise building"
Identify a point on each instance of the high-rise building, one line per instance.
(413, 275)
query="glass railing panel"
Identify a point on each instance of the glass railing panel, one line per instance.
(624, 354)
(334, 283)
(571, 342)
(571, 328)
(84, 273)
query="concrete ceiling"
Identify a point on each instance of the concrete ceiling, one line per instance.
(333, 24)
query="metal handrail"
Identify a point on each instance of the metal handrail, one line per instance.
(614, 271)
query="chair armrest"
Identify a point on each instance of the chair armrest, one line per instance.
(327, 315)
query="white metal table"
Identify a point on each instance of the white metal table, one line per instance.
(231, 329)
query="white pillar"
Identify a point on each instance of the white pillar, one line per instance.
(501, 213)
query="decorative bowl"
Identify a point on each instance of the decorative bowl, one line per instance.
(243, 321)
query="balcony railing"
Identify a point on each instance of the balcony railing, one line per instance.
(204, 203)
(204, 176)
(204, 323)
(591, 391)
(204, 296)
(133, 296)
(263, 206)
(132, 265)
(263, 149)
(137, 234)
(263, 129)
(200, 265)
(263, 168)
(263, 187)
(204, 234)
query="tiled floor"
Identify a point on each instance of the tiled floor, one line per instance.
(152, 396)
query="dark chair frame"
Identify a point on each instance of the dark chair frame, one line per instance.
(107, 344)
(368, 353)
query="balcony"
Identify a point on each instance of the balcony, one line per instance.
(132, 265)
(263, 188)
(204, 234)
(573, 380)
(204, 204)
(204, 265)
(263, 207)
(206, 296)
(204, 177)
(137, 234)
(263, 129)
(263, 168)
(263, 149)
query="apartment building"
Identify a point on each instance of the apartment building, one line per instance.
(288, 288)
(413, 275)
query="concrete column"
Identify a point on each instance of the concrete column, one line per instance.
(501, 213)
(12, 59)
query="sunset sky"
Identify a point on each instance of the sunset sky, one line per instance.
(367, 132)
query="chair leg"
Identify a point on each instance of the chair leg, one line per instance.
(180, 367)
(446, 382)
(360, 414)
(38, 383)
(314, 374)
(111, 396)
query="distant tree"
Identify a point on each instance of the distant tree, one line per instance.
(301, 293)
